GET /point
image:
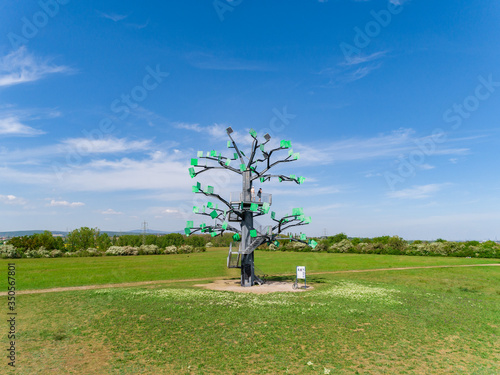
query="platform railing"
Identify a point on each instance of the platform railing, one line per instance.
(264, 198)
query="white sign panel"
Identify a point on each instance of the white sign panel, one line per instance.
(301, 272)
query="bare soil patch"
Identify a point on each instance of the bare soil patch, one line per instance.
(268, 287)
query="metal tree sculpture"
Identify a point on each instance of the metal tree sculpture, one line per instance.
(243, 207)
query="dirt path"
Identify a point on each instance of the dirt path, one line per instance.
(156, 282)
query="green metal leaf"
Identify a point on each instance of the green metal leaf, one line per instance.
(196, 209)
(273, 215)
(254, 207)
(192, 172)
(213, 153)
(296, 156)
(236, 237)
(189, 224)
(213, 234)
(228, 161)
(298, 211)
(265, 207)
(243, 167)
(303, 237)
(224, 225)
(307, 220)
(262, 148)
(293, 177)
(194, 161)
(187, 231)
(285, 144)
(235, 156)
(253, 233)
(209, 189)
(261, 179)
(200, 154)
(214, 214)
(301, 180)
(276, 243)
(210, 204)
(229, 144)
(253, 133)
(313, 243)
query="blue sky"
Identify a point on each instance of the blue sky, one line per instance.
(393, 106)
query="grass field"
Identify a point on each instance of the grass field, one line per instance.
(419, 321)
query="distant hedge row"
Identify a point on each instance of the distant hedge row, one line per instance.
(9, 251)
(394, 246)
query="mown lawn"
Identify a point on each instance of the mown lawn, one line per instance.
(61, 272)
(426, 321)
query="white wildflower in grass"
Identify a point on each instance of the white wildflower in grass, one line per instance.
(310, 363)
(218, 298)
(327, 371)
(361, 292)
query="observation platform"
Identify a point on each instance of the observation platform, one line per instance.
(255, 204)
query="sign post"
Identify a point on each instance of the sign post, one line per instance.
(301, 274)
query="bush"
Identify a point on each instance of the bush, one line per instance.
(149, 249)
(344, 246)
(335, 239)
(185, 249)
(9, 251)
(56, 254)
(40, 253)
(171, 249)
(122, 250)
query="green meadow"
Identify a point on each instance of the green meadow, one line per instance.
(414, 321)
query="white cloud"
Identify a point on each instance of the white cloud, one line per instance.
(11, 199)
(112, 16)
(13, 126)
(391, 145)
(426, 167)
(353, 68)
(20, 66)
(54, 203)
(417, 192)
(216, 131)
(86, 146)
(184, 125)
(364, 59)
(110, 211)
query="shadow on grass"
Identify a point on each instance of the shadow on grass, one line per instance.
(289, 278)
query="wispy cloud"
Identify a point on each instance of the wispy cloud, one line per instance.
(54, 203)
(216, 131)
(209, 61)
(417, 192)
(110, 211)
(138, 25)
(354, 69)
(12, 199)
(13, 126)
(112, 16)
(101, 146)
(20, 67)
(389, 145)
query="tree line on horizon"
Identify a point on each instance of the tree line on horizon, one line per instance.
(92, 242)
